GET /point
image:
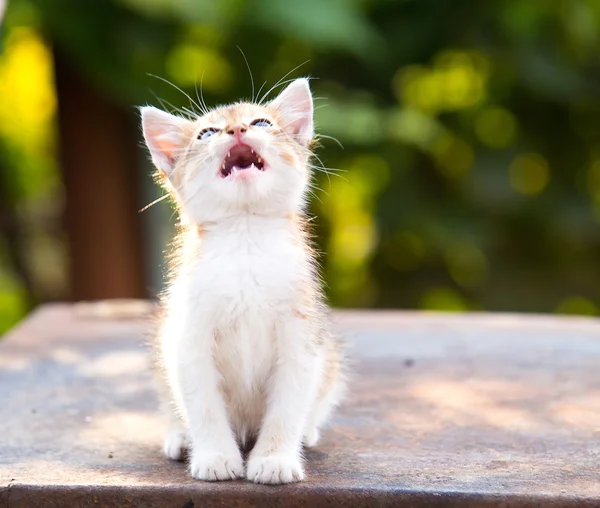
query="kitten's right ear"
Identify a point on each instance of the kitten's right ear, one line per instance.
(165, 135)
(295, 104)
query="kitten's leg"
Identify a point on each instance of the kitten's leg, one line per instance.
(323, 408)
(276, 457)
(214, 452)
(331, 391)
(175, 442)
(176, 439)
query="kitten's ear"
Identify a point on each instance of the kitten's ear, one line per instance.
(295, 105)
(165, 135)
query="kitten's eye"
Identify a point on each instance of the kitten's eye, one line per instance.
(261, 122)
(207, 133)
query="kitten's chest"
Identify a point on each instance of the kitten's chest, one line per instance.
(249, 272)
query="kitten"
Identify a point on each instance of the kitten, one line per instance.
(244, 349)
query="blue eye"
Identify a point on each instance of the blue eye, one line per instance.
(261, 122)
(207, 133)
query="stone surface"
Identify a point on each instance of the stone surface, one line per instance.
(472, 410)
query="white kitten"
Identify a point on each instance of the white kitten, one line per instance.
(244, 349)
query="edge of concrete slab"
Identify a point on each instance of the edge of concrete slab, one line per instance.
(233, 494)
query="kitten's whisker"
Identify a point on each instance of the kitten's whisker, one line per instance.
(313, 185)
(173, 214)
(315, 156)
(249, 71)
(162, 198)
(197, 159)
(167, 106)
(328, 171)
(206, 108)
(280, 82)
(325, 136)
(311, 192)
(176, 88)
(260, 89)
(200, 98)
(191, 114)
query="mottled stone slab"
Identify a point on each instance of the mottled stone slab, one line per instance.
(471, 410)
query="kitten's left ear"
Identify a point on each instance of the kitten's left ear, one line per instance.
(295, 105)
(166, 137)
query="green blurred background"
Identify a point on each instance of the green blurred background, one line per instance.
(470, 133)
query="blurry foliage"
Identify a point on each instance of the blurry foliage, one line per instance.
(31, 257)
(471, 130)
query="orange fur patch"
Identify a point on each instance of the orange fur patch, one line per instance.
(300, 314)
(288, 158)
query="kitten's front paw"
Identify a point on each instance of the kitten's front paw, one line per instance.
(312, 437)
(275, 469)
(175, 444)
(216, 466)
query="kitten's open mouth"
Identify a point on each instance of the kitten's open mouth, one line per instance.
(241, 157)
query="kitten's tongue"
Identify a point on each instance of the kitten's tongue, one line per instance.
(239, 158)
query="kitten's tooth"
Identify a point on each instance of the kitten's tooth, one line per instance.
(228, 154)
(259, 159)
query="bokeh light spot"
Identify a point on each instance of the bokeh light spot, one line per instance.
(456, 80)
(189, 65)
(453, 157)
(443, 299)
(495, 127)
(27, 108)
(467, 264)
(12, 302)
(529, 174)
(578, 305)
(412, 126)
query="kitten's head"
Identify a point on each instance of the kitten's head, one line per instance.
(239, 158)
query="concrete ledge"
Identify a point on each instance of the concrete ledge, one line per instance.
(475, 410)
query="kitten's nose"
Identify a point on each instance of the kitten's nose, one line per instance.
(236, 130)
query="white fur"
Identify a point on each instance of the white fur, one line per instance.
(242, 343)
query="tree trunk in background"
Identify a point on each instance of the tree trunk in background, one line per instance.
(98, 147)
